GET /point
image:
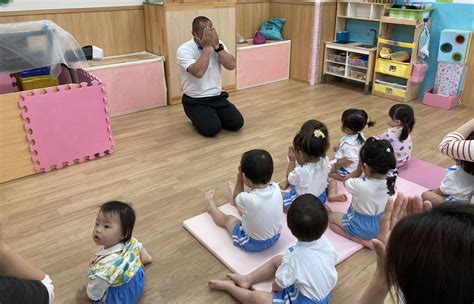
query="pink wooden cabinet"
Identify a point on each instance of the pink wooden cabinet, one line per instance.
(263, 63)
(134, 82)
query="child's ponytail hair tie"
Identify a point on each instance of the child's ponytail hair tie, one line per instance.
(318, 133)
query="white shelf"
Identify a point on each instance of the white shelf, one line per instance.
(355, 79)
(334, 74)
(359, 18)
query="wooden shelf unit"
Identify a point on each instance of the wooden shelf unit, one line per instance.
(351, 10)
(346, 65)
(392, 78)
(358, 11)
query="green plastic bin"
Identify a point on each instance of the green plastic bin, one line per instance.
(414, 14)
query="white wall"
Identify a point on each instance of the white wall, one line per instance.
(20, 5)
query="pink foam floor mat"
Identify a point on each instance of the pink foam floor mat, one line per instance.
(422, 173)
(67, 125)
(218, 241)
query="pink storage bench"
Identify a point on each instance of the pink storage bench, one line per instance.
(263, 63)
(134, 82)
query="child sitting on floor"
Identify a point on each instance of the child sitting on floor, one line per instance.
(305, 274)
(361, 222)
(457, 184)
(401, 120)
(261, 208)
(116, 273)
(347, 153)
(308, 165)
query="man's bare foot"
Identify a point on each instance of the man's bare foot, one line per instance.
(221, 284)
(239, 280)
(338, 198)
(231, 187)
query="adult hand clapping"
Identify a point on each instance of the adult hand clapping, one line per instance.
(395, 210)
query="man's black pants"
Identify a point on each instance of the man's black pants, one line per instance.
(211, 114)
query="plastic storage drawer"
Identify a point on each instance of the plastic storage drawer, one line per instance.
(393, 68)
(389, 90)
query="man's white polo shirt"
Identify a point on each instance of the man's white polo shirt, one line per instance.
(210, 83)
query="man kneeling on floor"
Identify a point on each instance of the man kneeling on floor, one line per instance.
(200, 61)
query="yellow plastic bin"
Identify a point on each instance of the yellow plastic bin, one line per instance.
(393, 68)
(389, 90)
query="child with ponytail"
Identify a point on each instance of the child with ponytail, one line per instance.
(401, 120)
(361, 222)
(353, 122)
(308, 165)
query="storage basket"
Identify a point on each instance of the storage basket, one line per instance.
(390, 90)
(337, 58)
(404, 13)
(389, 67)
(37, 82)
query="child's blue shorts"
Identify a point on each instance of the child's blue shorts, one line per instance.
(342, 172)
(291, 295)
(290, 196)
(243, 240)
(129, 292)
(361, 225)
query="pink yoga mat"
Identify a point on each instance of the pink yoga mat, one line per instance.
(218, 241)
(422, 173)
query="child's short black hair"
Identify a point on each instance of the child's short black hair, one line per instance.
(126, 214)
(406, 115)
(468, 166)
(257, 165)
(356, 120)
(378, 154)
(307, 218)
(312, 139)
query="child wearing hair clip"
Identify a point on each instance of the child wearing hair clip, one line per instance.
(401, 120)
(353, 122)
(370, 192)
(260, 208)
(308, 165)
(116, 273)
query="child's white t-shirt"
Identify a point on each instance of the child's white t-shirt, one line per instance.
(262, 211)
(311, 267)
(349, 148)
(458, 184)
(311, 177)
(369, 195)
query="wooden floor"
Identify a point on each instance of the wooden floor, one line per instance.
(163, 168)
